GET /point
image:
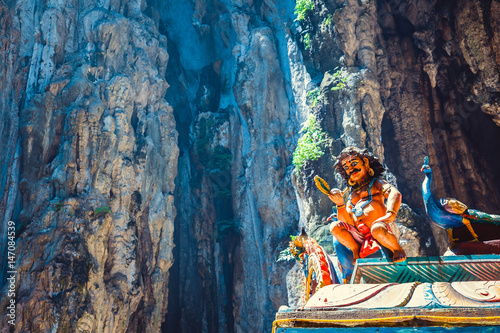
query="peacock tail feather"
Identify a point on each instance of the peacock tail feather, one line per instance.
(322, 185)
(481, 217)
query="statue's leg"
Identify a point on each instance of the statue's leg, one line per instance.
(450, 236)
(467, 224)
(382, 234)
(340, 231)
(345, 258)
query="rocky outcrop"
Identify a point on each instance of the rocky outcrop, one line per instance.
(98, 163)
(10, 98)
(421, 75)
(140, 201)
(237, 157)
(459, 78)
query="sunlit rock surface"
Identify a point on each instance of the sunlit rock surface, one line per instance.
(98, 162)
(181, 118)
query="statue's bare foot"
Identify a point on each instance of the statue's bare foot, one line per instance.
(399, 256)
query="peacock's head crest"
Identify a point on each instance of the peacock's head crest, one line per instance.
(426, 168)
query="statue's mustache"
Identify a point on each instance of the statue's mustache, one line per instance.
(354, 170)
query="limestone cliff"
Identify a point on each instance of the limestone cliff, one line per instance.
(147, 145)
(98, 145)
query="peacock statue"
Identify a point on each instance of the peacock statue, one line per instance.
(448, 212)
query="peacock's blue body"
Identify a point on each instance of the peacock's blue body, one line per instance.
(434, 208)
(450, 213)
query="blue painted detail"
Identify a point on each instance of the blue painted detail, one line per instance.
(429, 297)
(345, 258)
(305, 265)
(479, 216)
(470, 329)
(436, 212)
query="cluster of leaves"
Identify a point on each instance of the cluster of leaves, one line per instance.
(308, 146)
(340, 80)
(102, 211)
(224, 227)
(301, 8)
(313, 96)
(327, 21)
(58, 207)
(225, 193)
(205, 126)
(219, 160)
(307, 41)
(286, 254)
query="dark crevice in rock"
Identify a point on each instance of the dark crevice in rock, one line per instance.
(134, 120)
(186, 295)
(208, 94)
(229, 248)
(403, 26)
(135, 202)
(392, 157)
(484, 135)
(177, 96)
(137, 322)
(486, 9)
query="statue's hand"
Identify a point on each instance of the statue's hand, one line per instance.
(336, 196)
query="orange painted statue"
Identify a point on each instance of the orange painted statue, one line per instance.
(364, 221)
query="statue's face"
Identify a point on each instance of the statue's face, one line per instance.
(356, 168)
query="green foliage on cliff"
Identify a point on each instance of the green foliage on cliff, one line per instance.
(215, 163)
(214, 160)
(224, 227)
(58, 207)
(301, 8)
(307, 41)
(101, 212)
(308, 146)
(327, 21)
(340, 80)
(220, 159)
(205, 129)
(286, 254)
(313, 96)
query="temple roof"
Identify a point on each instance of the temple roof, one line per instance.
(459, 292)
(428, 269)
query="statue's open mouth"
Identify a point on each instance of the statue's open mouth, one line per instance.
(355, 171)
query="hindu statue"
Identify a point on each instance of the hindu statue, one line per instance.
(364, 222)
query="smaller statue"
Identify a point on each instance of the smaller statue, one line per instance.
(365, 221)
(450, 213)
(316, 266)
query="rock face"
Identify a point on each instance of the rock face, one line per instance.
(98, 144)
(147, 146)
